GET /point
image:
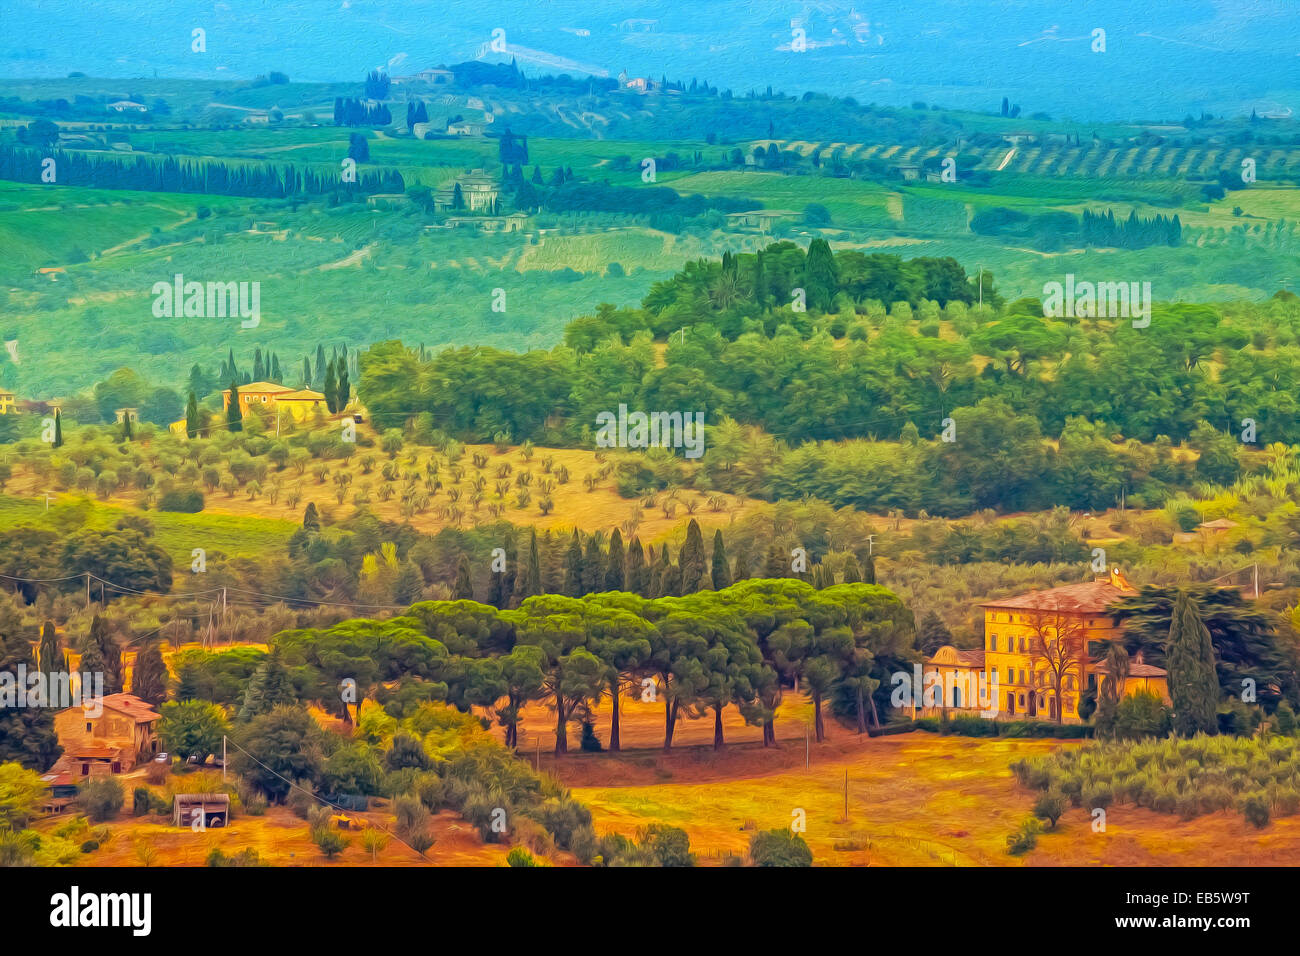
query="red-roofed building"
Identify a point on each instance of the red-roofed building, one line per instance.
(1037, 654)
(109, 735)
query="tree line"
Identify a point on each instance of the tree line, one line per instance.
(170, 174)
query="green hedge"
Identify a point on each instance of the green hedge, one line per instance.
(964, 725)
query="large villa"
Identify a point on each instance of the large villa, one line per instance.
(1039, 647)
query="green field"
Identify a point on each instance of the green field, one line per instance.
(179, 534)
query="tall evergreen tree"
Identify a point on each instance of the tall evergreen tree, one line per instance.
(615, 569)
(343, 388)
(512, 570)
(573, 567)
(234, 414)
(331, 388)
(306, 372)
(593, 567)
(464, 589)
(776, 565)
(50, 653)
(27, 734)
(320, 364)
(193, 424)
(692, 560)
(58, 429)
(110, 653)
(852, 573)
(740, 568)
(149, 676)
(638, 576)
(268, 688)
(1189, 660)
(869, 570)
(721, 572)
(310, 518)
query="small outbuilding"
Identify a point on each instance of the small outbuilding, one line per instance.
(214, 807)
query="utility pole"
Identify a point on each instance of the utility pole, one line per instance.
(87, 590)
(1256, 581)
(223, 764)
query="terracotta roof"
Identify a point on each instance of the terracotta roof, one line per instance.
(1090, 597)
(261, 387)
(132, 706)
(59, 779)
(300, 395)
(950, 656)
(96, 753)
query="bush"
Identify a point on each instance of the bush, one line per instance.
(90, 846)
(520, 857)
(779, 848)
(1024, 839)
(1255, 808)
(671, 846)
(1142, 715)
(1049, 806)
(101, 798)
(183, 500)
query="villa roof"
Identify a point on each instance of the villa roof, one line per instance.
(131, 706)
(1089, 597)
(262, 387)
(300, 395)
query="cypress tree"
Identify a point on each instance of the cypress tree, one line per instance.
(464, 589)
(1193, 680)
(692, 559)
(26, 733)
(320, 364)
(310, 518)
(720, 572)
(149, 676)
(192, 424)
(259, 369)
(869, 570)
(775, 566)
(127, 432)
(58, 429)
(343, 388)
(573, 573)
(512, 571)
(331, 389)
(234, 416)
(638, 577)
(109, 652)
(658, 572)
(533, 580)
(593, 567)
(615, 570)
(740, 567)
(306, 372)
(852, 573)
(51, 655)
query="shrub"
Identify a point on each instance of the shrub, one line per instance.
(1024, 839)
(1255, 808)
(101, 798)
(183, 500)
(520, 857)
(1142, 715)
(779, 848)
(1049, 806)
